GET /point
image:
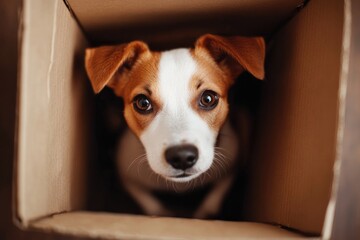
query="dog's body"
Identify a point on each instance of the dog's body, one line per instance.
(175, 104)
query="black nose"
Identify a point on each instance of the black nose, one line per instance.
(182, 156)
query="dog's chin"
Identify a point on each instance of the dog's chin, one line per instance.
(182, 177)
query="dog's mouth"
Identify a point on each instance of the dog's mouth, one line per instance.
(183, 175)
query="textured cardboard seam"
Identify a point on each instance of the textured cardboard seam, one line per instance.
(73, 15)
(297, 9)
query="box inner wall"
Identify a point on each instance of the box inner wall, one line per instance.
(66, 164)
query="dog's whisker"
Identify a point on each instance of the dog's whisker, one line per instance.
(133, 161)
(212, 173)
(221, 149)
(208, 172)
(157, 178)
(220, 152)
(222, 155)
(202, 177)
(217, 152)
(187, 184)
(223, 164)
(217, 169)
(174, 187)
(222, 159)
(140, 162)
(191, 184)
(214, 169)
(151, 174)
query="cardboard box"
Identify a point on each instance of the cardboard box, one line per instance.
(291, 173)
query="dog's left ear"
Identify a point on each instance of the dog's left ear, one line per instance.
(236, 54)
(102, 63)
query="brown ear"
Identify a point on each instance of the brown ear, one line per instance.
(237, 53)
(102, 63)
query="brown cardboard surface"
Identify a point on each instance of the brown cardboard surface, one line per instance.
(52, 140)
(292, 169)
(170, 23)
(112, 226)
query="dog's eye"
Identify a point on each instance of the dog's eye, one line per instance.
(208, 100)
(142, 104)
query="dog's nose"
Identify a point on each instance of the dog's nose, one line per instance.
(182, 156)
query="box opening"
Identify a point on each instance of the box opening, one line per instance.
(65, 169)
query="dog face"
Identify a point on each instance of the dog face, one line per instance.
(176, 101)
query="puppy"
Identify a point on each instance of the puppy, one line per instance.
(175, 104)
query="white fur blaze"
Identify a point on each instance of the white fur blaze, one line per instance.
(177, 123)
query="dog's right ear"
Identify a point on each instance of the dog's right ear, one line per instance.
(102, 63)
(236, 53)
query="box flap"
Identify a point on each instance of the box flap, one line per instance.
(167, 24)
(52, 132)
(116, 226)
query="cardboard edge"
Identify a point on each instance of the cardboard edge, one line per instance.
(81, 27)
(281, 25)
(343, 78)
(61, 224)
(14, 195)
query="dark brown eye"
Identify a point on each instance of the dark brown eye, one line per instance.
(208, 100)
(142, 104)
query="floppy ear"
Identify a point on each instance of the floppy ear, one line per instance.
(236, 53)
(102, 63)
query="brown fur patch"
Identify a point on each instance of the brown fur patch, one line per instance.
(141, 79)
(102, 63)
(209, 76)
(236, 54)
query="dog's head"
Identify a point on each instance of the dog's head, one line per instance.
(176, 101)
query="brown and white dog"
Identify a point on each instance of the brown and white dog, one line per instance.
(175, 103)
